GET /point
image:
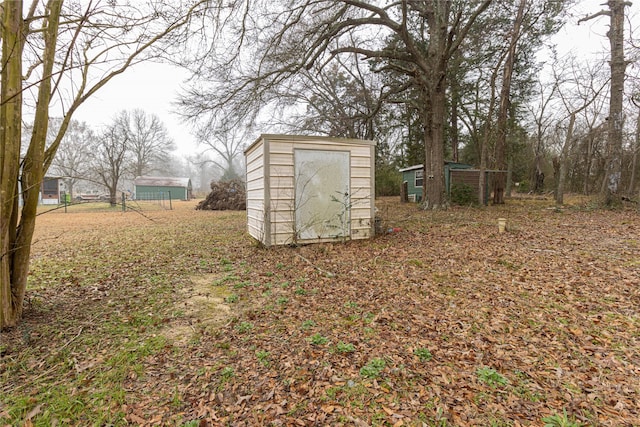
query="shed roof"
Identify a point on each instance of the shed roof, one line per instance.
(309, 139)
(162, 181)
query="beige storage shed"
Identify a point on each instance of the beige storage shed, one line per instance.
(307, 189)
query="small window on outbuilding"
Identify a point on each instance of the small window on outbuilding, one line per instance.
(419, 178)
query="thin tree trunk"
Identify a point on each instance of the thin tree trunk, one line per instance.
(588, 162)
(564, 161)
(501, 141)
(453, 122)
(634, 160)
(509, 176)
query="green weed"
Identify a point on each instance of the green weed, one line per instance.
(263, 357)
(317, 339)
(307, 324)
(423, 354)
(244, 327)
(373, 368)
(343, 347)
(491, 377)
(560, 420)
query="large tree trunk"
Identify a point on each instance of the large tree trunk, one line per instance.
(33, 168)
(434, 183)
(435, 112)
(613, 172)
(10, 137)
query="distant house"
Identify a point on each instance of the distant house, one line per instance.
(50, 190)
(455, 175)
(162, 188)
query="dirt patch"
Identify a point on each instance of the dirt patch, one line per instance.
(204, 304)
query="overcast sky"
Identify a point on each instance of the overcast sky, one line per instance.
(153, 87)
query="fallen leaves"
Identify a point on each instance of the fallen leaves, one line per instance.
(549, 310)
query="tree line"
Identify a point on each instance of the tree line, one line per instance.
(134, 144)
(470, 81)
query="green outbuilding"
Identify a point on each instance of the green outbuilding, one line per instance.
(162, 188)
(413, 179)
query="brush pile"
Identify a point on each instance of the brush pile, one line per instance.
(225, 195)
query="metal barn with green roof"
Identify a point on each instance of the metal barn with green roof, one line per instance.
(162, 188)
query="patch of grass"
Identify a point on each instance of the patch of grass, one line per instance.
(415, 263)
(301, 291)
(241, 285)
(351, 304)
(244, 327)
(491, 377)
(373, 368)
(522, 389)
(223, 280)
(232, 298)
(317, 339)
(560, 420)
(307, 324)
(351, 394)
(263, 357)
(226, 375)
(423, 354)
(282, 300)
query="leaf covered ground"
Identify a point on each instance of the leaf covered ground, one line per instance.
(177, 318)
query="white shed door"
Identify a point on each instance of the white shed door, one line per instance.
(322, 205)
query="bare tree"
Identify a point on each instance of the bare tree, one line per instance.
(73, 157)
(414, 39)
(342, 99)
(148, 141)
(52, 50)
(111, 152)
(226, 143)
(579, 86)
(542, 122)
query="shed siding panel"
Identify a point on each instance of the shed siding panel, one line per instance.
(278, 160)
(256, 226)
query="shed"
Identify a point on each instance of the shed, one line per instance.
(413, 179)
(307, 189)
(162, 188)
